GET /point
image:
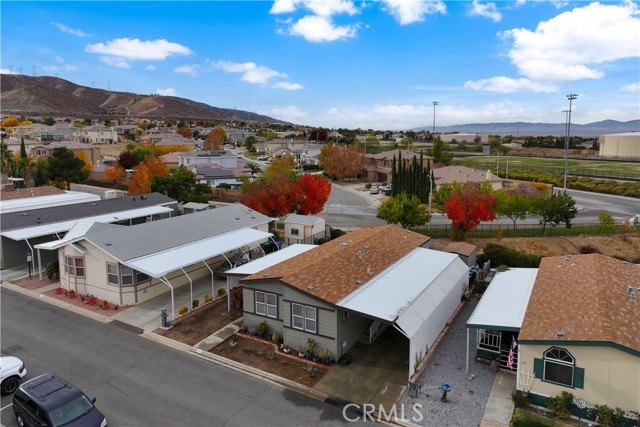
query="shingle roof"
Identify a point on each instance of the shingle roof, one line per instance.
(584, 296)
(151, 237)
(334, 268)
(460, 248)
(13, 220)
(301, 219)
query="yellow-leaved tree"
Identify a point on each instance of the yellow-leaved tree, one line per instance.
(114, 173)
(215, 139)
(140, 182)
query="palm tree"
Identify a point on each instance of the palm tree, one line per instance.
(7, 162)
(254, 167)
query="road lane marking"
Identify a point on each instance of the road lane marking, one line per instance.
(8, 406)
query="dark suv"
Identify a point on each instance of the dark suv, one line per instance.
(50, 401)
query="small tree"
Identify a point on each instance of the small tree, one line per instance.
(515, 206)
(467, 207)
(554, 210)
(215, 139)
(404, 210)
(140, 182)
(128, 160)
(185, 131)
(440, 152)
(606, 222)
(64, 165)
(114, 173)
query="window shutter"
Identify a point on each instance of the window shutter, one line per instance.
(537, 368)
(578, 377)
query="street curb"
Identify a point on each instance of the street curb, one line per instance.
(176, 345)
(260, 374)
(58, 303)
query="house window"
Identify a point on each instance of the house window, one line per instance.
(304, 317)
(345, 315)
(74, 266)
(112, 274)
(123, 275)
(558, 366)
(294, 232)
(266, 304)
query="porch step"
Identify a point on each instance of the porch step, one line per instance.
(504, 358)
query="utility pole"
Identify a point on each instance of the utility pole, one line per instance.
(570, 97)
(433, 134)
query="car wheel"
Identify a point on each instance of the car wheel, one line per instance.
(20, 420)
(10, 385)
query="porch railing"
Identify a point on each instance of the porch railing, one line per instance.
(489, 340)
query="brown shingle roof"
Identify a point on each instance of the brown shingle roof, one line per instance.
(460, 248)
(584, 296)
(334, 267)
(21, 193)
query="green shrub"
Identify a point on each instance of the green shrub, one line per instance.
(336, 232)
(195, 303)
(500, 255)
(588, 249)
(262, 329)
(559, 405)
(523, 418)
(367, 185)
(221, 291)
(607, 417)
(183, 310)
(521, 400)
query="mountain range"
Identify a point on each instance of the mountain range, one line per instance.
(594, 129)
(51, 96)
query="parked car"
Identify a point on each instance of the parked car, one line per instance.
(386, 189)
(263, 157)
(12, 371)
(270, 246)
(635, 219)
(49, 400)
(229, 264)
(374, 189)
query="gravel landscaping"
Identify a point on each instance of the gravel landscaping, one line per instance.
(467, 399)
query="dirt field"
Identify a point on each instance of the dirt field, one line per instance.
(620, 246)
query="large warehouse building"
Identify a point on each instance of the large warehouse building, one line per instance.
(620, 145)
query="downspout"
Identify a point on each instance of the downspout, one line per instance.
(467, 354)
(212, 286)
(31, 253)
(173, 306)
(190, 283)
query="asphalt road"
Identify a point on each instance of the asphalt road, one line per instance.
(139, 382)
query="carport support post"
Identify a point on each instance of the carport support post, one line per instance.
(173, 305)
(213, 294)
(467, 370)
(190, 286)
(39, 266)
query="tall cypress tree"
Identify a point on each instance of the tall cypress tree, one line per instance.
(394, 177)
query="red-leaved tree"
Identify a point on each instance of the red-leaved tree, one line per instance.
(309, 194)
(271, 197)
(467, 207)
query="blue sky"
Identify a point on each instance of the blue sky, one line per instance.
(340, 63)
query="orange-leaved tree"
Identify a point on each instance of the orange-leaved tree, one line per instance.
(140, 182)
(215, 139)
(342, 162)
(155, 167)
(467, 207)
(10, 122)
(184, 131)
(114, 173)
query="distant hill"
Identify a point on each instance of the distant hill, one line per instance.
(537, 129)
(52, 96)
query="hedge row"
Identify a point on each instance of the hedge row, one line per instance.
(501, 255)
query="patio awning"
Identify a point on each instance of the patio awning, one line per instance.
(162, 263)
(269, 260)
(64, 226)
(505, 301)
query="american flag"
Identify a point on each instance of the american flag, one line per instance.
(512, 351)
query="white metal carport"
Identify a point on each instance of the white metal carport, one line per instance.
(58, 228)
(417, 294)
(159, 264)
(504, 303)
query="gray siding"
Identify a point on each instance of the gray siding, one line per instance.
(349, 331)
(248, 301)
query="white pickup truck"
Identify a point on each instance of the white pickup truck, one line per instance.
(12, 371)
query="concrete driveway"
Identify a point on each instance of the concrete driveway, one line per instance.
(378, 375)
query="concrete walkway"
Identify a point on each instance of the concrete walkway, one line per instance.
(499, 409)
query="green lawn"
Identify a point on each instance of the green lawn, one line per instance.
(583, 165)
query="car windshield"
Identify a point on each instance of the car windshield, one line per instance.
(71, 410)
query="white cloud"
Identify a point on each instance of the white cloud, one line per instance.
(59, 59)
(290, 113)
(150, 67)
(7, 71)
(251, 72)
(70, 30)
(631, 87)
(115, 62)
(403, 110)
(508, 85)
(288, 86)
(571, 45)
(191, 70)
(166, 92)
(284, 6)
(139, 50)
(322, 29)
(410, 11)
(487, 10)
(333, 110)
(61, 67)
(318, 7)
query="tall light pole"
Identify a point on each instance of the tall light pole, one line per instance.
(433, 134)
(570, 97)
